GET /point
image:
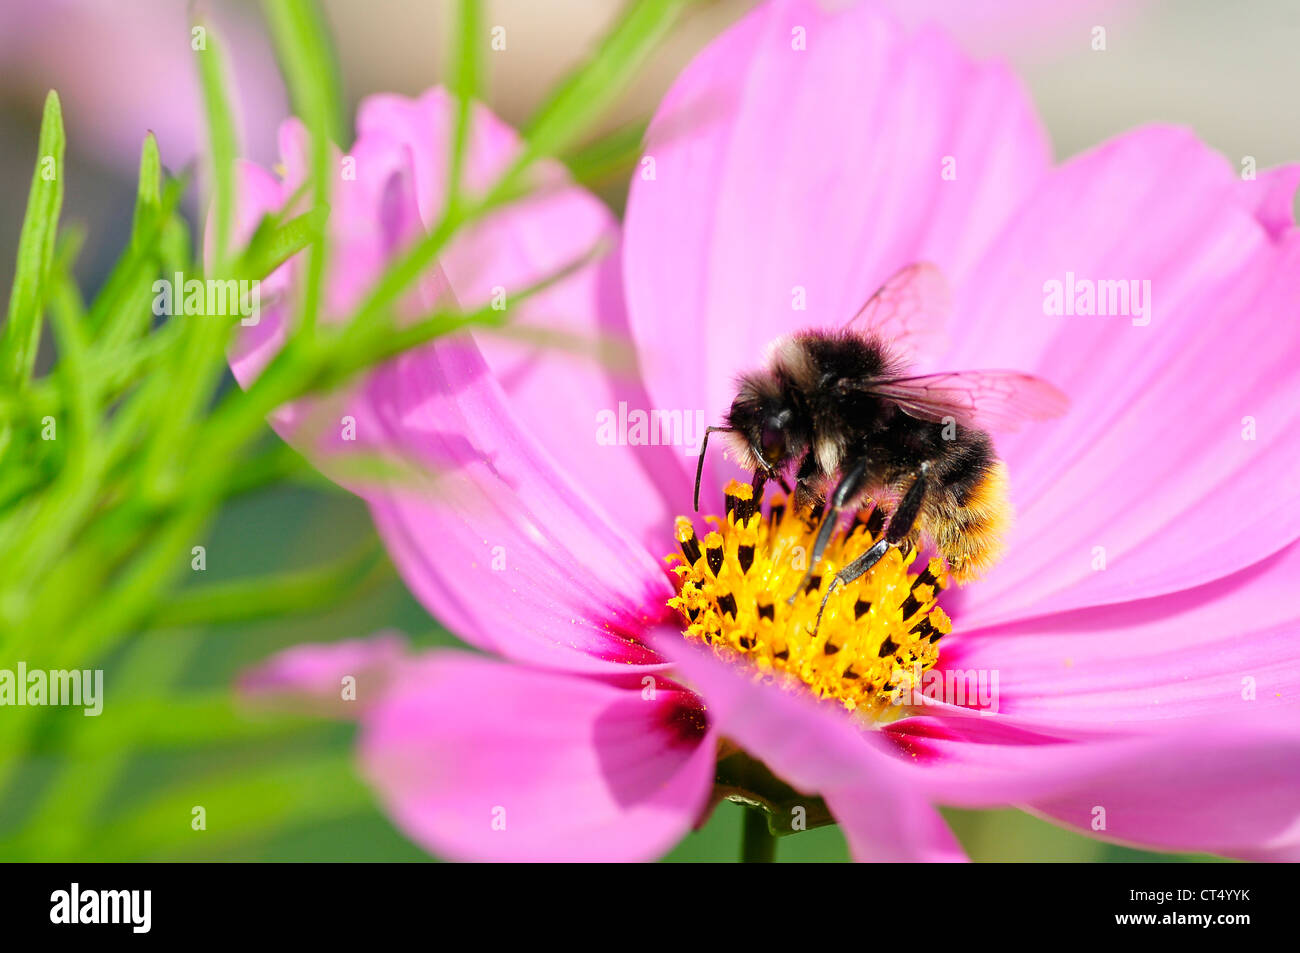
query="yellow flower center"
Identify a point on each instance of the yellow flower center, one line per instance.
(875, 634)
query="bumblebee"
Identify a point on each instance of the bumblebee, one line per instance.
(840, 410)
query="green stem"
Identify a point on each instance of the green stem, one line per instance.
(758, 845)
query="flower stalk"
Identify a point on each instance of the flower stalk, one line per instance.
(758, 843)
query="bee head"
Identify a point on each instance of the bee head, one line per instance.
(766, 428)
(766, 433)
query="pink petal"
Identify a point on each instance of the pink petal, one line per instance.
(817, 749)
(1150, 464)
(1222, 649)
(1273, 193)
(501, 546)
(313, 674)
(259, 193)
(574, 768)
(496, 540)
(558, 396)
(777, 169)
(139, 74)
(1228, 787)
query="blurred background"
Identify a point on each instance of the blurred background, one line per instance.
(283, 788)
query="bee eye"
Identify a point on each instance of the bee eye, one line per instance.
(772, 442)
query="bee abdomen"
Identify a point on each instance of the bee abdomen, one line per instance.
(968, 526)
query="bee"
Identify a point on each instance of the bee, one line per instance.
(841, 410)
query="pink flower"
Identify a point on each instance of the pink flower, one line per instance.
(1152, 701)
(140, 74)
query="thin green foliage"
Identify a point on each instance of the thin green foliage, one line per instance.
(35, 249)
(118, 456)
(302, 41)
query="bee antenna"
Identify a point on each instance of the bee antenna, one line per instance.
(699, 467)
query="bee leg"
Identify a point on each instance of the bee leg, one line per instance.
(846, 491)
(897, 531)
(759, 482)
(903, 521)
(804, 496)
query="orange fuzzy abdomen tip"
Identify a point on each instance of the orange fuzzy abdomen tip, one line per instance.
(971, 537)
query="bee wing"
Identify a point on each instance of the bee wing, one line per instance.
(909, 312)
(984, 400)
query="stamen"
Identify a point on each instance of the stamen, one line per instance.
(686, 539)
(713, 553)
(873, 635)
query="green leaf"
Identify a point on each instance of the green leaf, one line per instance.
(69, 323)
(373, 343)
(570, 110)
(306, 58)
(467, 77)
(179, 722)
(197, 363)
(588, 91)
(306, 53)
(121, 311)
(271, 247)
(157, 232)
(609, 159)
(35, 248)
(148, 197)
(222, 142)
